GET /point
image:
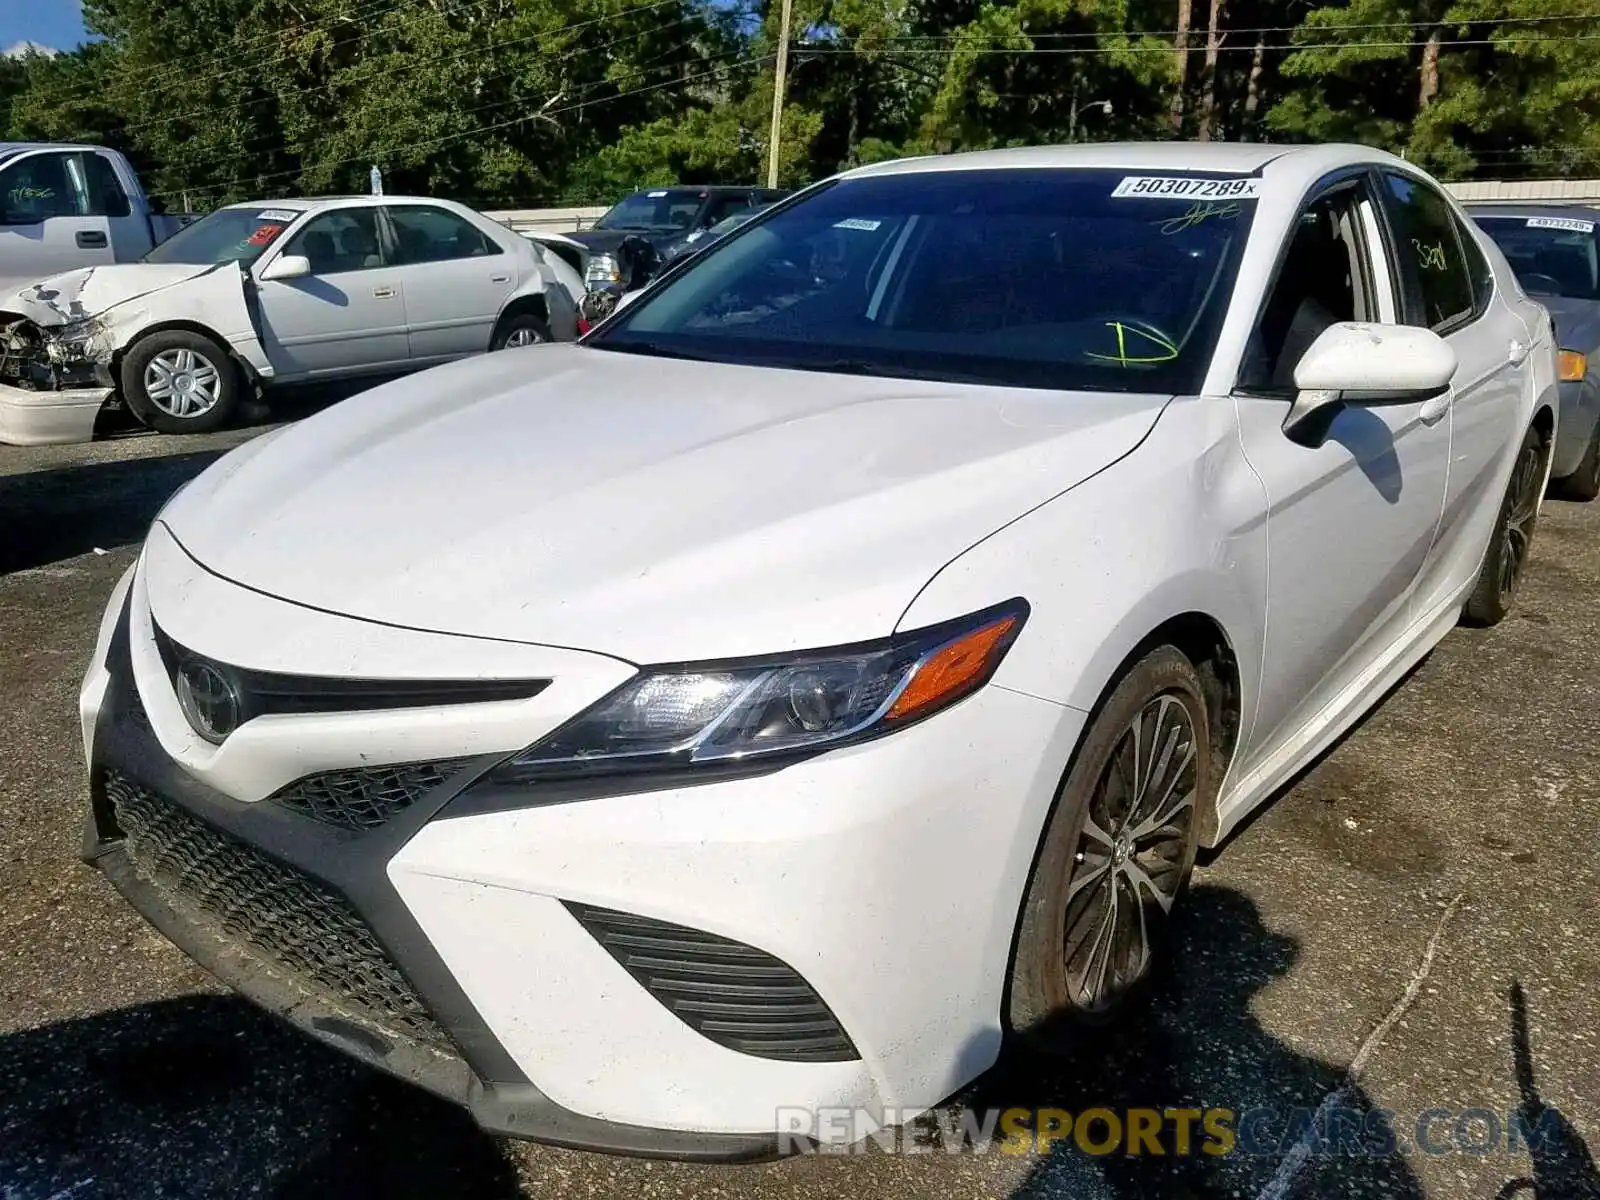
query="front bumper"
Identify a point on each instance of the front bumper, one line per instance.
(888, 876)
(37, 418)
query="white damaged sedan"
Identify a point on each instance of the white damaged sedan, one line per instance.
(258, 295)
(833, 664)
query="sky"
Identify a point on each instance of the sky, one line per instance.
(57, 24)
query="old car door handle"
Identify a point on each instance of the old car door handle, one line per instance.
(383, 293)
(1516, 352)
(499, 279)
(91, 239)
(1434, 407)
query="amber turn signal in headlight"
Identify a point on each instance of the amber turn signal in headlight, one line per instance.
(1570, 366)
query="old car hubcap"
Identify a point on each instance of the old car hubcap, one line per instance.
(182, 383)
(1131, 854)
(523, 337)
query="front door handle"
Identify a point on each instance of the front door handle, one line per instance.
(91, 239)
(499, 279)
(1516, 352)
(383, 293)
(1434, 407)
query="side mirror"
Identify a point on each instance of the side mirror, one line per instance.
(1356, 363)
(286, 266)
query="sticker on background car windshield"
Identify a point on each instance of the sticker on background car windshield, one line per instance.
(860, 223)
(1186, 188)
(263, 235)
(277, 214)
(1572, 224)
(655, 195)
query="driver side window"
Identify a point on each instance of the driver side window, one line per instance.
(1324, 279)
(38, 188)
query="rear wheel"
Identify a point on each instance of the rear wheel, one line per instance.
(176, 381)
(1116, 854)
(1584, 483)
(1506, 559)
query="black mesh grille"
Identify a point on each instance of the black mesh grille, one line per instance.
(365, 798)
(242, 894)
(734, 994)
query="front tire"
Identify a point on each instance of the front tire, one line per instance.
(1116, 854)
(1506, 560)
(520, 329)
(176, 381)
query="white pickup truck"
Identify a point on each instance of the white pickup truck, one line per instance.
(66, 206)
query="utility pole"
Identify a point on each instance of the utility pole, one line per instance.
(777, 98)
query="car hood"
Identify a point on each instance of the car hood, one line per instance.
(90, 291)
(1577, 322)
(648, 508)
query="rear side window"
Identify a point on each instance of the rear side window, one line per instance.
(427, 235)
(106, 197)
(1438, 282)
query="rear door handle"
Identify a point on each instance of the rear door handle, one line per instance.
(1516, 352)
(383, 293)
(499, 279)
(91, 239)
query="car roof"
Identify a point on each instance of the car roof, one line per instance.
(1285, 165)
(1581, 212)
(317, 203)
(7, 149)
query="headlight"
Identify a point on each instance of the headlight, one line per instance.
(72, 339)
(1571, 366)
(603, 268)
(695, 715)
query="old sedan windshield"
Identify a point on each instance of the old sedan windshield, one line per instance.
(228, 235)
(1073, 279)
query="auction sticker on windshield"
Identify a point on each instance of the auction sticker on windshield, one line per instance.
(1186, 188)
(1571, 224)
(277, 214)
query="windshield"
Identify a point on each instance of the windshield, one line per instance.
(1069, 279)
(1552, 256)
(656, 211)
(227, 235)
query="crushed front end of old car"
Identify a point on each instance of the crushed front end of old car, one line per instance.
(55, 368)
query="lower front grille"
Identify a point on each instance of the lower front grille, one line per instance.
(292, 920)
(733, 994)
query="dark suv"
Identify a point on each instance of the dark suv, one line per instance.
(655, 223)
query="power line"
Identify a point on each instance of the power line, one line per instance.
(814, 48)
(416, 64)
(163, 72)
(429, 143)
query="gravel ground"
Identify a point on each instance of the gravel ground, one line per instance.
(1462, 815)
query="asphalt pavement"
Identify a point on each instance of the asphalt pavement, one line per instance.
(1417, 904)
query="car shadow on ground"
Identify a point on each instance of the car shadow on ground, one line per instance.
(1193, 1042)
(207, 1096)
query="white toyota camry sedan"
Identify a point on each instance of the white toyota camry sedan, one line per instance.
(833, 664)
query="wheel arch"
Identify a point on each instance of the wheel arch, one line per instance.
(247, 373)
(533, 303)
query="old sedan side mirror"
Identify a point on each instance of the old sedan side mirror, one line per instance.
(1352, 362)
(286, 266)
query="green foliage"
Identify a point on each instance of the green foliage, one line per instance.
(520, 102)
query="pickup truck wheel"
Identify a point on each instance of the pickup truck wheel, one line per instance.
(180, 382)
(521, 329)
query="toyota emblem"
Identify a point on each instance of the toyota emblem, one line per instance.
(209, 700)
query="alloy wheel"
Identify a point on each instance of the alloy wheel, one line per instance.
(182, 383)
(523, 336)
(1130, 859)
(1517, 536)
